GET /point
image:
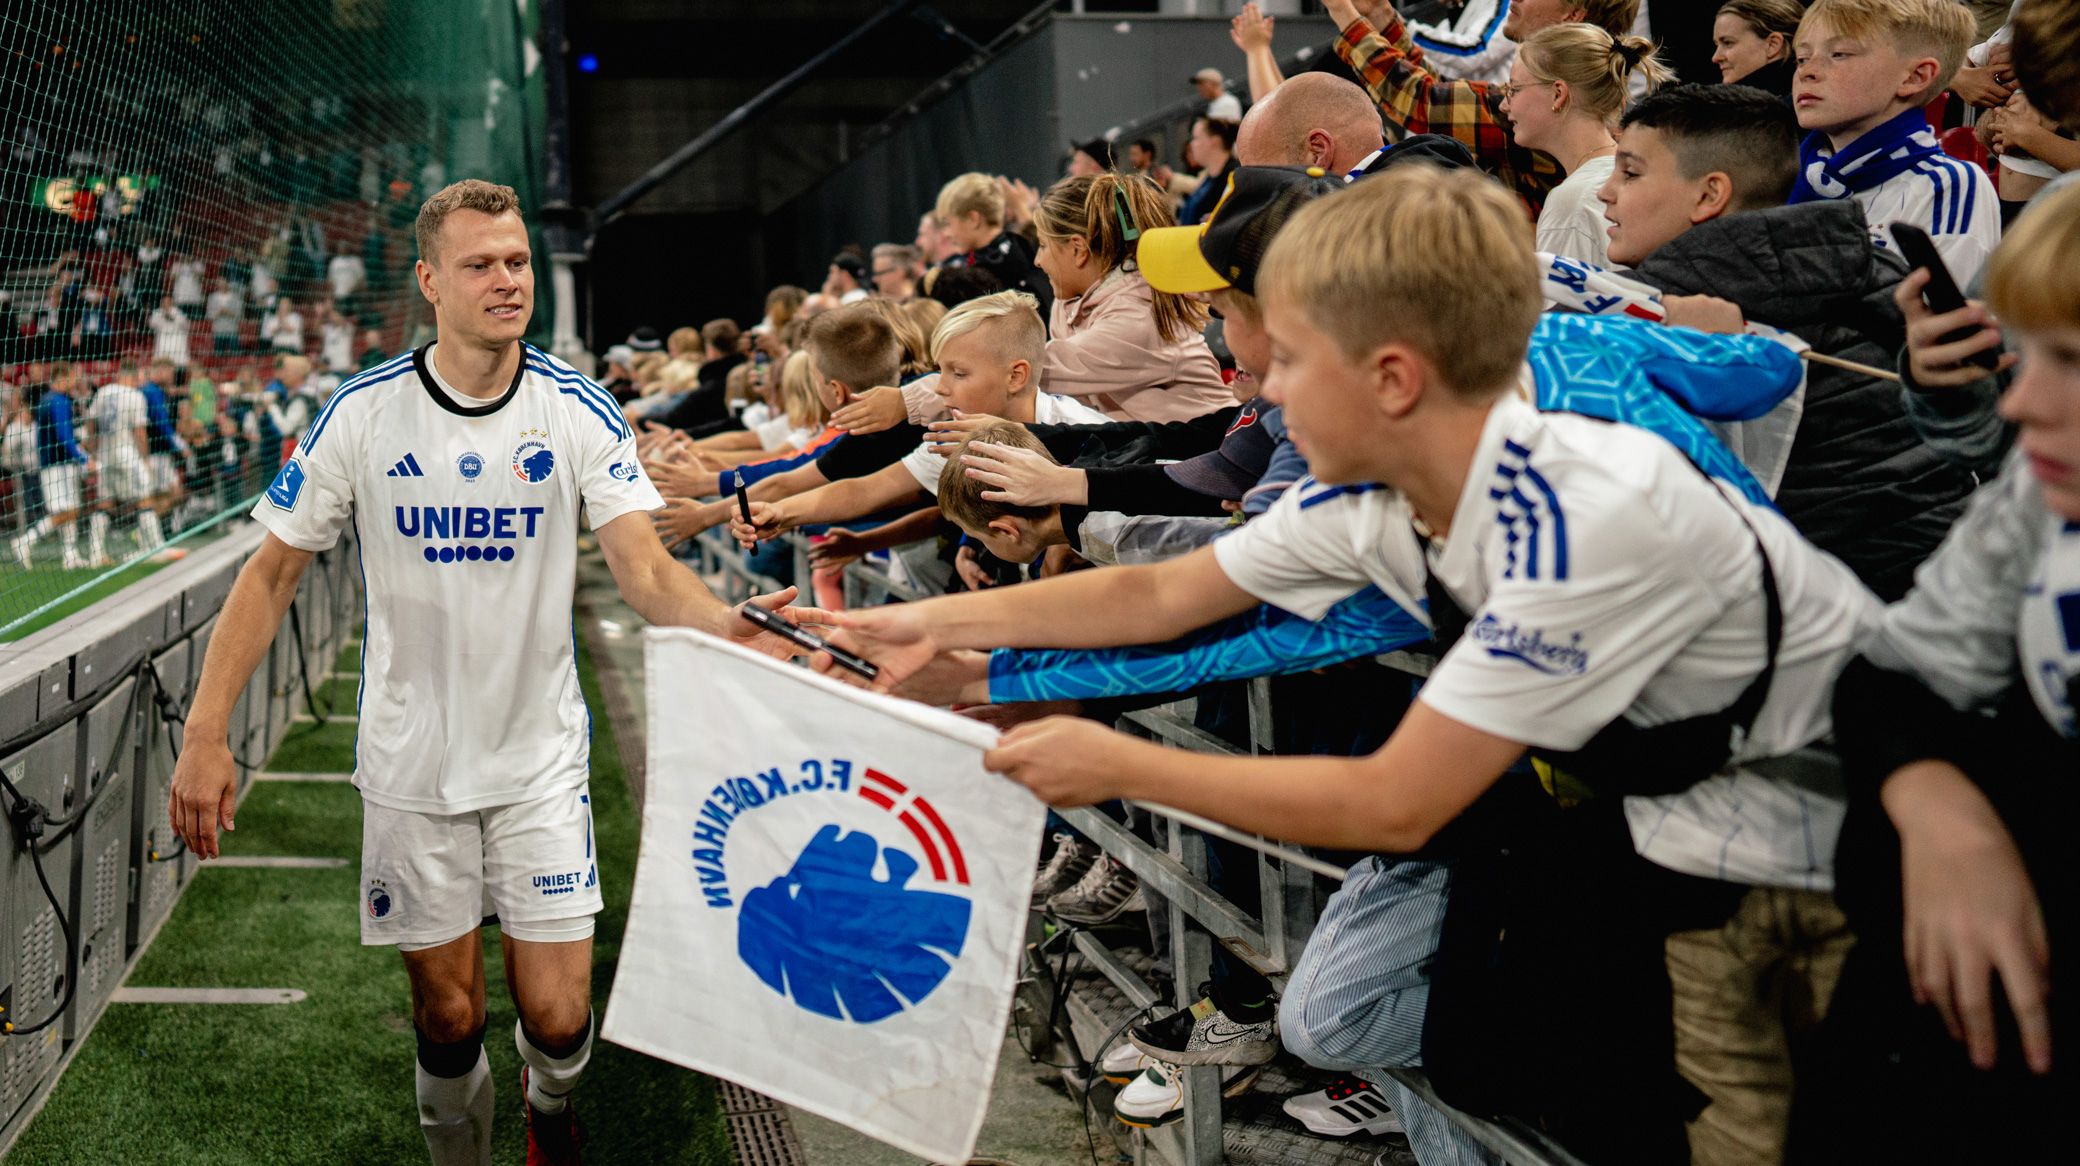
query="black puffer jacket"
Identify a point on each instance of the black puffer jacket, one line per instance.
(1860, 483)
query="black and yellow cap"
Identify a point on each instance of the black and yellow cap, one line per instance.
(1226, 250)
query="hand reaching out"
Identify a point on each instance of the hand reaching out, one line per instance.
(1251, 30)
(1023, 477)
(872, 411)
(968, 565)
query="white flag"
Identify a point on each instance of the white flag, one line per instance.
(831, 896)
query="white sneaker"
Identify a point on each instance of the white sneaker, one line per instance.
(1156, 1097)
(1123, 1062)
(20, 545)
(74, 563)
(1105, 892)
(1350, 1105)
(1071, 859)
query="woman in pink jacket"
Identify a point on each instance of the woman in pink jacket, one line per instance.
(1120, 346)
(1114, 342)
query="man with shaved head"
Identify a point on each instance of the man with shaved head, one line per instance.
(1312, 119)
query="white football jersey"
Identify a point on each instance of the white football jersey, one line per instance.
(1606, 577)
(118, 412)
(466, 514)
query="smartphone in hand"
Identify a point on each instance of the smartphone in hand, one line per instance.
(807, 640)
(1941, 295)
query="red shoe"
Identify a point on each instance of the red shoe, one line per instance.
(553, 1139)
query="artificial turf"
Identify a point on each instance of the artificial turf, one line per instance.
(329, 1079)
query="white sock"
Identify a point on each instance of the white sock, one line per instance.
(69, 535)
(455, 1115)
(97, 535)
(551, 1079)
(148, 523)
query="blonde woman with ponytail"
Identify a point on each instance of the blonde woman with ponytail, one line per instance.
(1566, 89)
(1115, 343)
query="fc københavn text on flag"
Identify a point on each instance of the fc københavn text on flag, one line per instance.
(831, 896)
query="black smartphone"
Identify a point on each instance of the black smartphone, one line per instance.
(743, 503)
(1941, 294)
(807, 640)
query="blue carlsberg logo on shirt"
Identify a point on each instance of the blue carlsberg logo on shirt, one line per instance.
(287, 486)
(622, 471)
(829, 933)
(1529, 646)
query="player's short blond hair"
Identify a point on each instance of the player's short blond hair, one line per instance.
(2033, 282)
(1011, 320)
(1943, 29)
(1439, 260)
(470, 194)
(971, 192)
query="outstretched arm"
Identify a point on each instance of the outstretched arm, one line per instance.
(666, 592)
(1087, 609)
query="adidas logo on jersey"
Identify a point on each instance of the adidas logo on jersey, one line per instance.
(408, 467)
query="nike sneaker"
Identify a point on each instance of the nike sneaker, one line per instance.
(1204, 1035)
(1350, 1105)
(1156, 1097)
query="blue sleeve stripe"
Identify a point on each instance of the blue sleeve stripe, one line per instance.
(381, 372)
(1559, 522)
(597, 399)
(613, 429)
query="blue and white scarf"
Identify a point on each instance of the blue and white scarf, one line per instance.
(1868, 162)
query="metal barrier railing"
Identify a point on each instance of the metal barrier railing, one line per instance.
(1177, 873)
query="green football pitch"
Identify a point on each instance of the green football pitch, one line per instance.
(329, 1079)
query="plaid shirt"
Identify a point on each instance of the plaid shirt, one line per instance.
(1469, 112)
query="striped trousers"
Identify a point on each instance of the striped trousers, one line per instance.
(1356, 1000)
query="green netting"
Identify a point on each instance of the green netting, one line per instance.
(217, 183)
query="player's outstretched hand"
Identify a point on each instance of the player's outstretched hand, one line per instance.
(744, 632)
(204, 796)
(1065, 761)
(894, 638)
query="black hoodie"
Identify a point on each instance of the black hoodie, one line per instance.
(1860, 483)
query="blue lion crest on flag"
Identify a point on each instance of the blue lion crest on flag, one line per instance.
(840, 942)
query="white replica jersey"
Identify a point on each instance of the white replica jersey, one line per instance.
(1953, 200)
(466, 514)
(1605, 577)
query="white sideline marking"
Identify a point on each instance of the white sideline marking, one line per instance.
(276, 862)
(330, 719)
(128, 995)
(271, 775)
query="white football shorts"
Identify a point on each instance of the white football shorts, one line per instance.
(60, 488)
(126, 477)
(428, 879)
